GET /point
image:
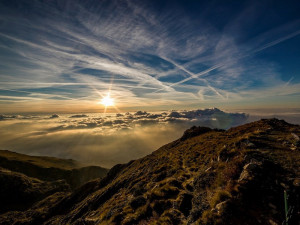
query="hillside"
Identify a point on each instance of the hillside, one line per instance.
(207, 176)
(19, 192)
(50, 168)
(42, 161)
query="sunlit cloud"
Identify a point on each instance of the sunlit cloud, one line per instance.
(111, 138)
(105, 139)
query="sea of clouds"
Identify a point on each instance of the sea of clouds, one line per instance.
(105, 139)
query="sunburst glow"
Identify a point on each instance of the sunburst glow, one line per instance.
(107, 101)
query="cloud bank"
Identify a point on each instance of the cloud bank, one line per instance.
(105, 140)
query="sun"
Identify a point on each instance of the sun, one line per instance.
(107, 101)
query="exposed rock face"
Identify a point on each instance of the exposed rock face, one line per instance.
(206, 177)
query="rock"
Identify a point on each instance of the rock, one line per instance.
(250, 145)
(272, 206)
(296, 141)
(296, 137)
(272, 222)
(249, 170)
(247, 143)
(219, 208)
(285, 143)
(296, 182)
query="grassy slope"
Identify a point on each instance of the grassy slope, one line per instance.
(19, 192)
(50, 168)
(41, 161)
(206, 177)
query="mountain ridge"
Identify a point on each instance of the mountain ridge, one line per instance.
(207, 177)
(50, 168)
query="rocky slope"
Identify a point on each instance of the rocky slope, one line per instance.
(208, 176)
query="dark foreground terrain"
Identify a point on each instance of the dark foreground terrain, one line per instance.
(207, 176)
(25, 180)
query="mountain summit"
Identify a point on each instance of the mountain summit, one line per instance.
(208, 176)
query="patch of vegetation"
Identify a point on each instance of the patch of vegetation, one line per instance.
(165, 192)
(219, 196)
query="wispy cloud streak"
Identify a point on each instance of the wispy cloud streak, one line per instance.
(74, 50)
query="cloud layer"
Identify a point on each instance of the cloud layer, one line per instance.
(105, 140)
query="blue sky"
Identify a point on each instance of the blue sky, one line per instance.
(60, 55)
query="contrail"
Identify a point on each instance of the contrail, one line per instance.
(28, 92)
(277, 41)
(193, 75)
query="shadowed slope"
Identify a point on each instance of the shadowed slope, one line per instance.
(19, 192)
(50, 168)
